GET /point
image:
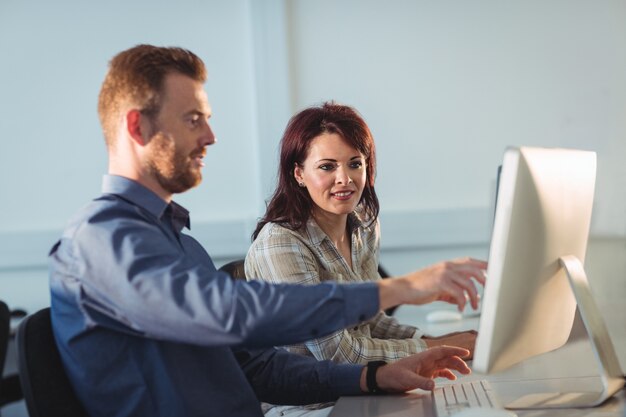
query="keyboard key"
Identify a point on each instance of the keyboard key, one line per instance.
(452, 398)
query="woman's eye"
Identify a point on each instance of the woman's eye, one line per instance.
(356, 164)
(326, 167)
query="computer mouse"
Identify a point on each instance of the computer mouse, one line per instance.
(484, 412)
(443, 316)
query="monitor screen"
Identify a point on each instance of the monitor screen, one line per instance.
(543, 212)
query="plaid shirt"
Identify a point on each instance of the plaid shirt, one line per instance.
(280, 255)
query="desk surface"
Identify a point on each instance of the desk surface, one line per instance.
(571, 367)
(573, 364)
(418, 404)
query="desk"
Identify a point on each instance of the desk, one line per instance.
(573, 364)
(568, 368)
(419, 404)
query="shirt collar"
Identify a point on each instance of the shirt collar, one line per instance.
(317, 235)
(180, 216)
(141, 196)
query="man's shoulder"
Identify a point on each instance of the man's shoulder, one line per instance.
(104, 209)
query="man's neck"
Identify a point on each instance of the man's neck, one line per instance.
(147, 181)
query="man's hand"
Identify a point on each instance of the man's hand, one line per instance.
(450, 281)
(418, 370)
(465, 339)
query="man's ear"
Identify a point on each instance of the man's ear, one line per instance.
(133, 125)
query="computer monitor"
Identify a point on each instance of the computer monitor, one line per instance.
(535, 277)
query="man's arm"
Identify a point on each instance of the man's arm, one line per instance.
(280, 377)
(419, 370)
(450, 281)
(126, 273)
(133, 279)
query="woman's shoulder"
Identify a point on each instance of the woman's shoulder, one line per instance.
(359, 221)
(275, 232)
(279, 243)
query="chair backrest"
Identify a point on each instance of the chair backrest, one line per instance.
(47, 390)
(10, 390)
(384, 274)
(5, 331)
(235, 269)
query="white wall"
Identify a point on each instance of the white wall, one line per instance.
(54, 59)
(445, 86)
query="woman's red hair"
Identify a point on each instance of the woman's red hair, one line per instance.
(291, 205)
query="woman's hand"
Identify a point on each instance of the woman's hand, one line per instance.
(465, 339)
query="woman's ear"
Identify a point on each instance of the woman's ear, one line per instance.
(297, 174)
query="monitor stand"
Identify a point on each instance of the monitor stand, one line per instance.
(604, 352)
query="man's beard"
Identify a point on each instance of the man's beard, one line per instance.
(172, 169)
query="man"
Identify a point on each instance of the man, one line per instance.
(145, 324)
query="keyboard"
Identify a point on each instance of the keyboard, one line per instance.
(452, 398)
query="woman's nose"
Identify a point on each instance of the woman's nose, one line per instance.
(342, 176)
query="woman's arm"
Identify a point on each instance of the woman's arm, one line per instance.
(285, 257)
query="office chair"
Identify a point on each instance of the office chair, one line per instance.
(5, 333)
(384, 274)
(47, 390)
(234, 269)
(10, 390)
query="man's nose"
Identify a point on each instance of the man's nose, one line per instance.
(209, 137)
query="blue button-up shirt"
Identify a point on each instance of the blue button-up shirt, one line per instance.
(146, 326)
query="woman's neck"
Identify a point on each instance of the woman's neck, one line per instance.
(336, 228)
(334, 225)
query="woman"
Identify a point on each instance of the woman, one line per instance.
(322, 224)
